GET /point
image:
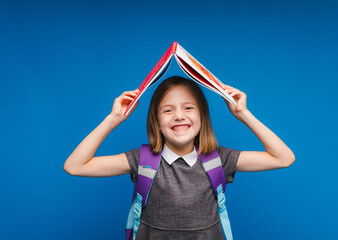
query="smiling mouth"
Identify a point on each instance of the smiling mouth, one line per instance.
(180, 127)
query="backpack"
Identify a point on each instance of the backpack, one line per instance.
(147, 169)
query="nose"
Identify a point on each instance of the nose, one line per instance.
(179, 115)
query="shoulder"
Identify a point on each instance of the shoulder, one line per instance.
(229, 158)
(227, 154)
(134, 153)
(133, 157)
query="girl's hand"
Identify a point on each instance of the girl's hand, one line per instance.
(240, 98)
(121, 103)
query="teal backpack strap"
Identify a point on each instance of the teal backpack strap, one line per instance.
(134, 218)
(212, 165)
(147, 169)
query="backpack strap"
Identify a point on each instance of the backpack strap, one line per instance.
(212, 165)
(147, 169)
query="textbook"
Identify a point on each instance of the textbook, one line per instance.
(195, 70)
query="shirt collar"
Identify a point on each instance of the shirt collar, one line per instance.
(170, 157)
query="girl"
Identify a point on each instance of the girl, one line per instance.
(181, 203)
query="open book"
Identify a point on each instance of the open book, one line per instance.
(189, 65)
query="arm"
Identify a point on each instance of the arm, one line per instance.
(277, 154)
(82, 163)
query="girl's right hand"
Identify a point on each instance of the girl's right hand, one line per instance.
(121, 103)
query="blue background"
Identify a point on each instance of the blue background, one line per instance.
(62, 64)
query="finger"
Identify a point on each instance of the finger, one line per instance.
(130, 93)
(123, 100)
(227, 86)
(236, 91)
(126, 98)
(238, 95)
(231, 91)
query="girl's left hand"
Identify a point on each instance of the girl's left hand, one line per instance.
(239, 97)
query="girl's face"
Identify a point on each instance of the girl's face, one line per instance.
(179, 119)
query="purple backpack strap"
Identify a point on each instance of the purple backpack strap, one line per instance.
(147, 169)
(212, 165)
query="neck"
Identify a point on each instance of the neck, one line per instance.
(181, 150)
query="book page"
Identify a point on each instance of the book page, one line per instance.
(200, 73)
(193, 74)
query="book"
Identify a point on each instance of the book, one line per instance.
(194, 69)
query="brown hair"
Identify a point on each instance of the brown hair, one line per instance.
(205, 139)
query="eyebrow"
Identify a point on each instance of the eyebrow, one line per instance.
(171, 105)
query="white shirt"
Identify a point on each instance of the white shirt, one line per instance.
(170, 157)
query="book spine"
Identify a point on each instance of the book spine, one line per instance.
(174, 47)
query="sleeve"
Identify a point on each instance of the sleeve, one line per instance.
(133, 157)
(229, 158)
